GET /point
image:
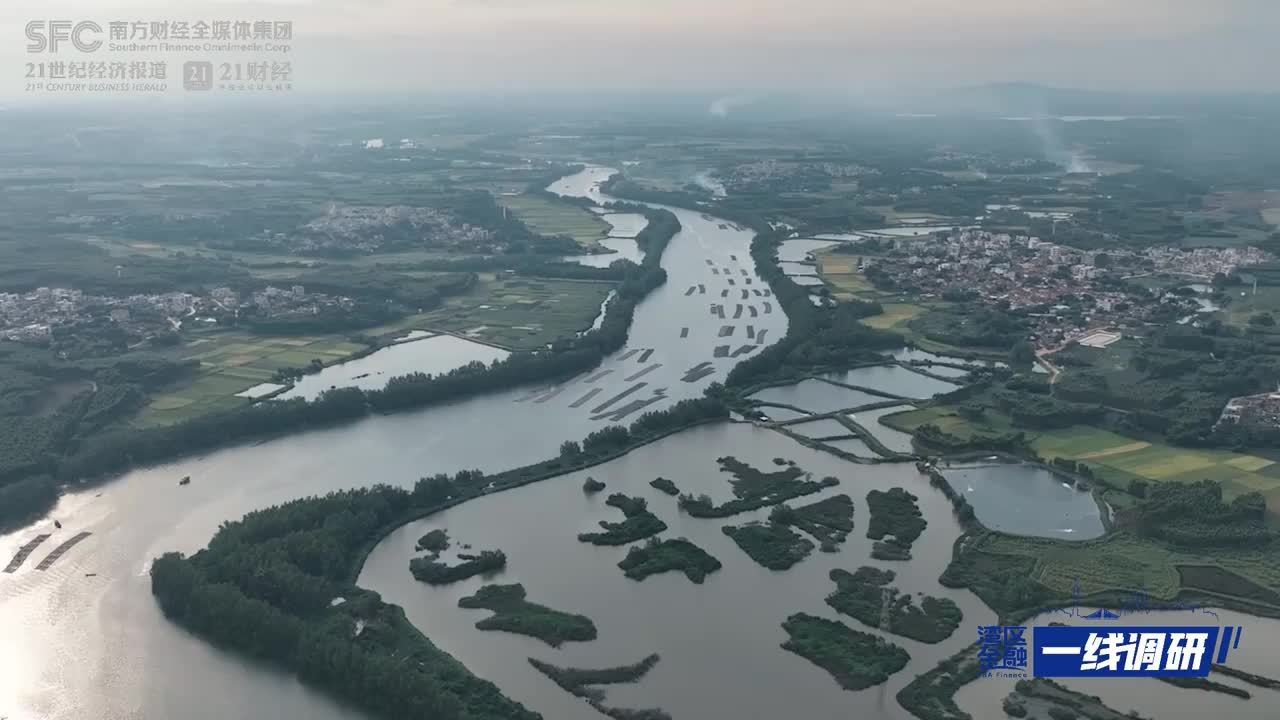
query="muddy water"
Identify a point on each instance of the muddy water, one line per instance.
(719, 641)
(79, 646)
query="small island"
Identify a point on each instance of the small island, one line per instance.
(865, 595)
(857, 660)
(656, 557)
(639, 523)
(433, 572)
(894, 513)
(578, 681)
(829, 521)
(592, 486)
(753, 489)
(665, 486)
(772, 545)
(514, 614)
(436, 541)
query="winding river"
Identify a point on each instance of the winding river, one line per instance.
(84, 639)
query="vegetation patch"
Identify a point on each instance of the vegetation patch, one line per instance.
(548, 216)
(277, 586)
(1199, 683)
(657, 556)
(1060, 703)
(754, 489)
(771, 545)
(866, 596)
(513, 614)
(829, 521)
(1256, 680)
(435, 541)
(640, 523)
(890, 550)
(894, 316)
(1179, 539)
(581, 683)
(433, 572)
(1214, 579)
(931, 696)
(857, 660)
(592, 486)
(665, 486)
(894, 513)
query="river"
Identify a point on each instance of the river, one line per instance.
(718, 641)
(77, 646)
(85, 639)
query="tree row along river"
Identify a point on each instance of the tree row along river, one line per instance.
(85, 638)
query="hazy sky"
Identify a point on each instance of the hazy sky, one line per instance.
(846, 46)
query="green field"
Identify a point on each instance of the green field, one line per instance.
(1241, 308)
(549, 217)
(1123, 562)
(517, 313)
(233, 361)
(894, 315)
(1117, 459)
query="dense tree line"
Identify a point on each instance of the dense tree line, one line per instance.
(514, 614)
(50, 405)
(1195, 515)
(277, 585)
(856, 660)
(866, 594)
(815, 337)
(639, 523)
(659, 556)
(433, 572)
(116, 450)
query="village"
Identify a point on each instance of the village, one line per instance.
(1069, 294)
(35, 316)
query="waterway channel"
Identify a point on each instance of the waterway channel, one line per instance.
(85, 639)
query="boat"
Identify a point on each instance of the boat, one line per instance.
(185, 480)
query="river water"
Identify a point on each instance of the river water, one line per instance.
(79, 647)
(85, 639)
(434, 355)
(719, 641)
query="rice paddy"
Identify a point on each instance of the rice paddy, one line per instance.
(894, 315)
(231, 362)
(551, 217)
(1118, 459)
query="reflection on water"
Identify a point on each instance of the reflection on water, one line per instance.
(895, 440)
(98, 647)
(819, 429)
(798, 250)
(433, 355)
(853, 446)
(710, 637)
(796, 268)
(896, 380)
(625, 225)
(622, 249)
(1027, 500)
(816, 396)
